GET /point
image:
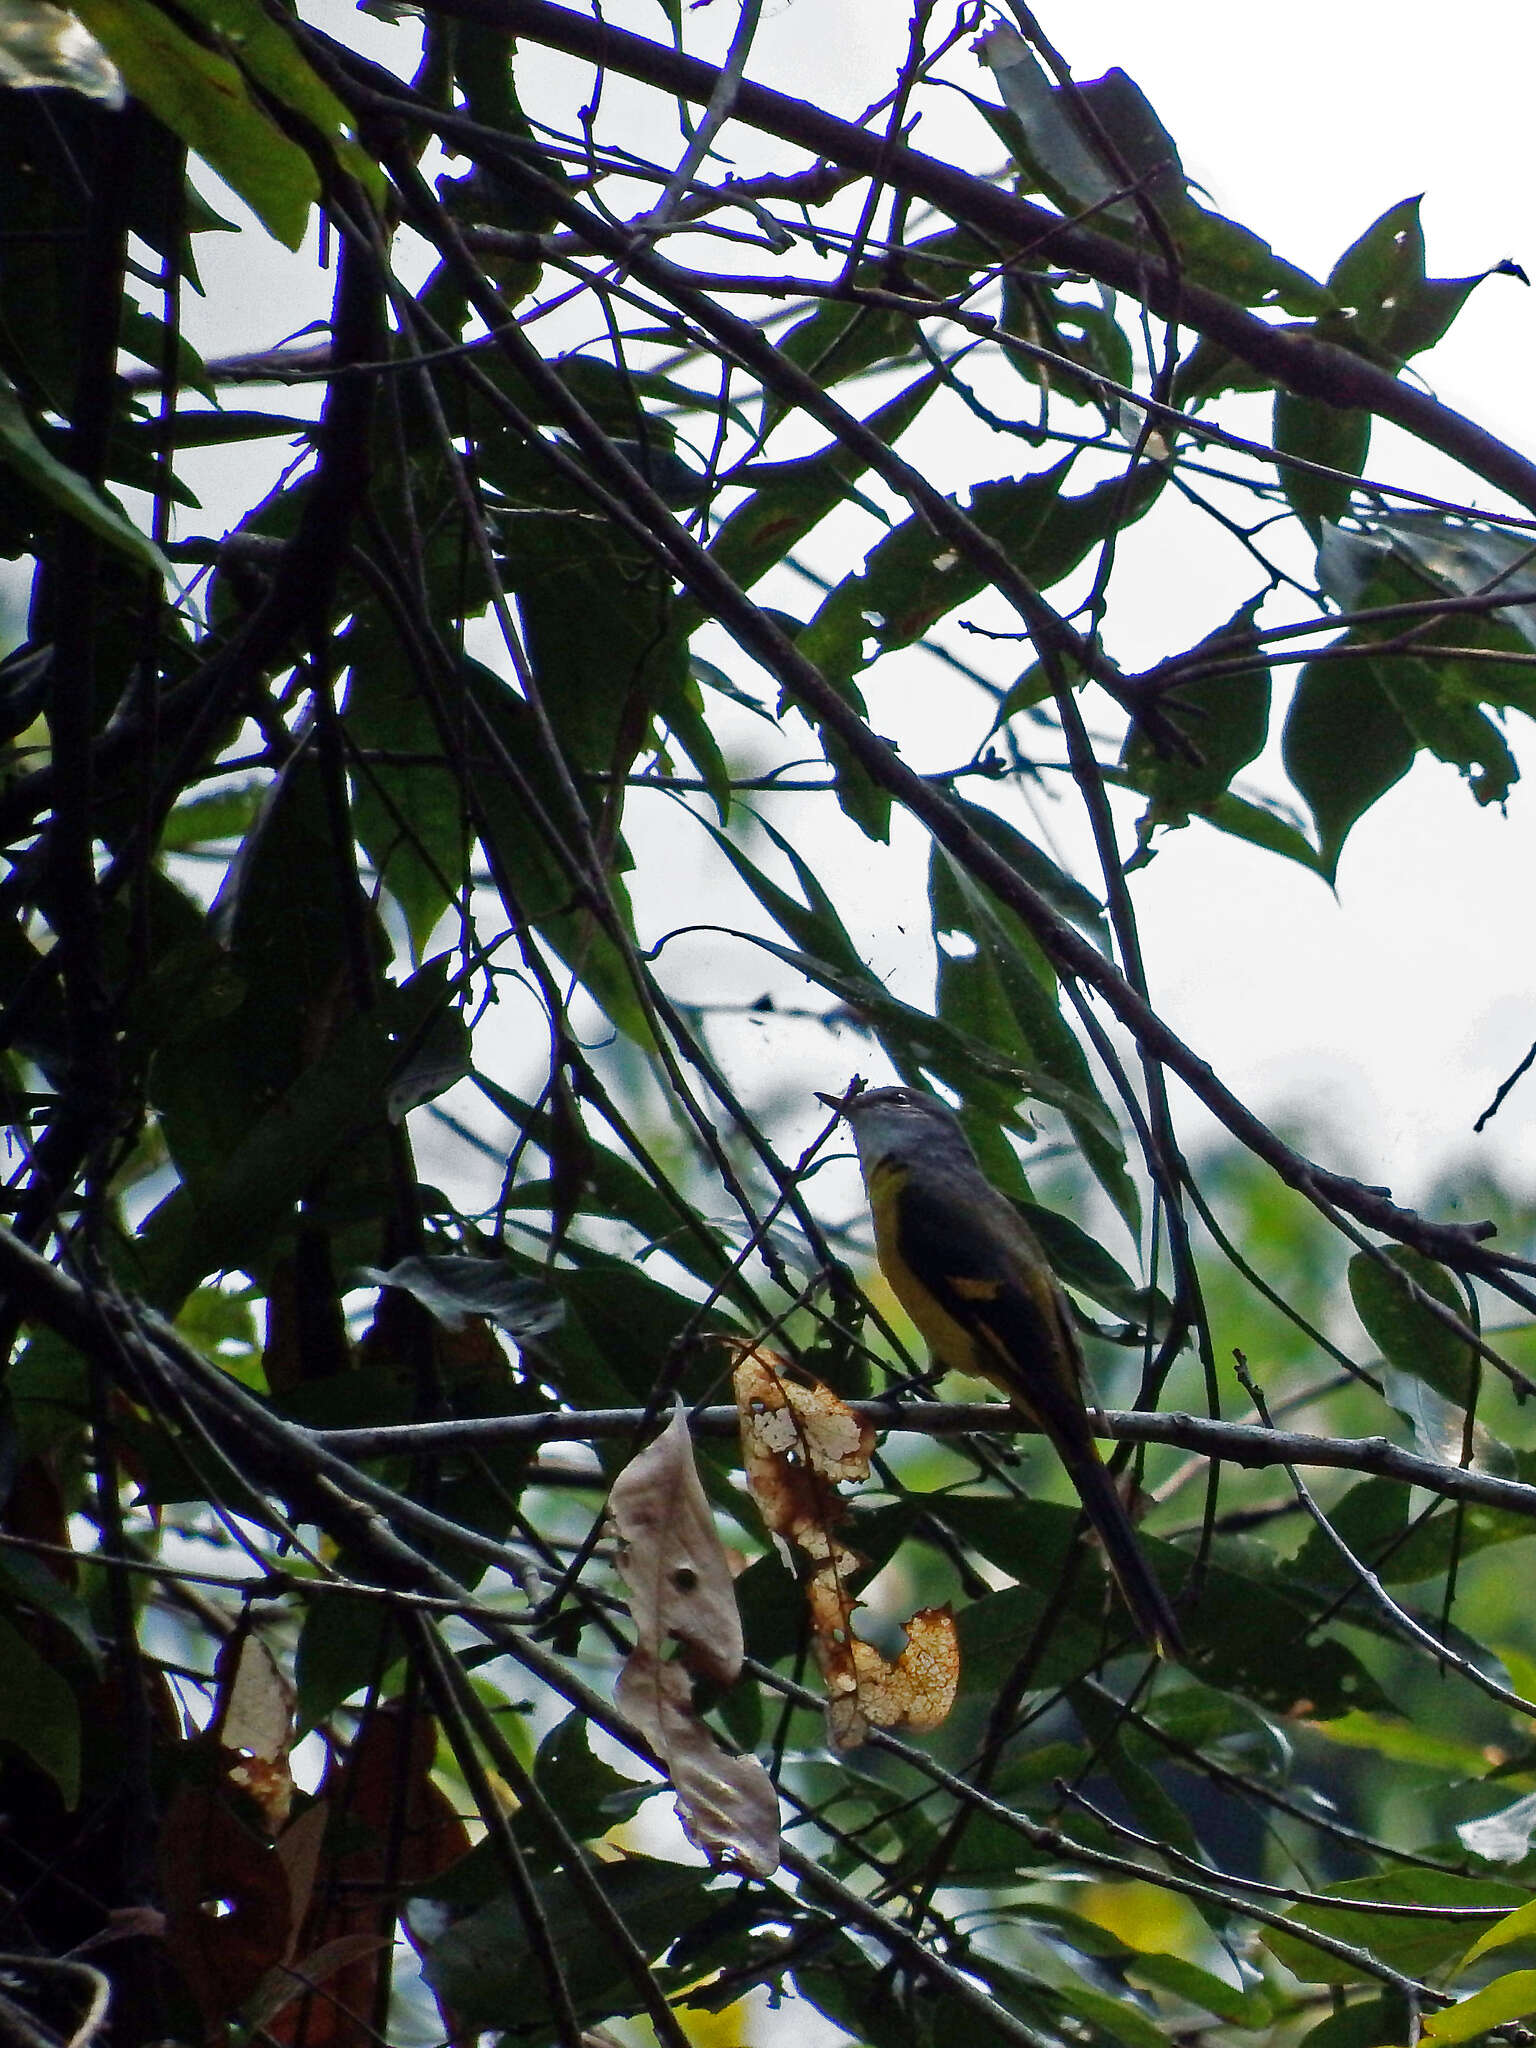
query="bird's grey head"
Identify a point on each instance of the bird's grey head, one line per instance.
(902, 1123)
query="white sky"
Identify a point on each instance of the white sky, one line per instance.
(1394, 1009)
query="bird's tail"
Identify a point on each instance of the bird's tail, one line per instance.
(1149, 1604)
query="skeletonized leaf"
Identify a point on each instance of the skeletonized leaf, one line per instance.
(915, 1690)
(799, 1443)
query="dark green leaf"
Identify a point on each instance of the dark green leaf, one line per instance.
(1225, 718)
(1406, 1333)
(1006, 994)
(1373, 1520)
(453, 1290)
(485, 1970)
(1414, 1944)
(1345, 745)
(779, 514)
(1322, 433)
(344, 1647)
(202, 97)
(38, 1714)
(588, 1795)
(1394, 311)
(25, 453)
(231, 1215)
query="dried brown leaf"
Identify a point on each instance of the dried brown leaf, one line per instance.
(799, 1442)
(299, 1848)
(672, 1559)
(868, 1690)
(679, 1579)
(727, 1804)
(410, 1833)
(253, 1724)
(226, 1900)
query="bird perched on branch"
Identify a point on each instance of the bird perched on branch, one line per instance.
(971, 1274)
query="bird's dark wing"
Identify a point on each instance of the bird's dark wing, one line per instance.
(983, 1265)
(981, 1262)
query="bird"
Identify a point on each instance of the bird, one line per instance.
(973, 1277)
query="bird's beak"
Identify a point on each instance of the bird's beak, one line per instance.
(834, 1102)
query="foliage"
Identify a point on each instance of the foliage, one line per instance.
(384, 1109)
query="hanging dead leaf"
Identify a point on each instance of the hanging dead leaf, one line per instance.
(672, 1559)
(727, 1804)
(799, 1443)
(227, 1908)
(411, 1833)
(253, 1724)
(299, 1848)
(915, 1690)
(679, 1579)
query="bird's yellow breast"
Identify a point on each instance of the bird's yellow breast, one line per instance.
(950, 1342)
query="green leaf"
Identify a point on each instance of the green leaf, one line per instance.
(1081, 1263)
(1127, 1756)
(1345, 745)
(814, 925)
(23, 451)
(454, 1289)
(1318, 432)
(1245, 1632)
(410, 813)
(1226, 720)
(1369, 2023)
(1064, 157)
(1451, 728)
(913, 578)
(485, 1971)
(1374, 1521)
(1063, 892)
(147, 337)
(267, 52)
(1084, 331)
(38, 1713)
(202, 97)
(964, 1063)
(232, 1214)
(1264, 827)
(226, 814)
(1415, 1945)
(27, 1582)
(779, 514)
(839, 341)
(345, 1645)
(1517, 1926)
(1248, 2008)
(1403, 1330)
(1394, 311)
(1059, 152)
(617, 1188)
(1505, 1999)
(589, 1795)
(524, 844)
(1227, 257)
(1006, 994)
